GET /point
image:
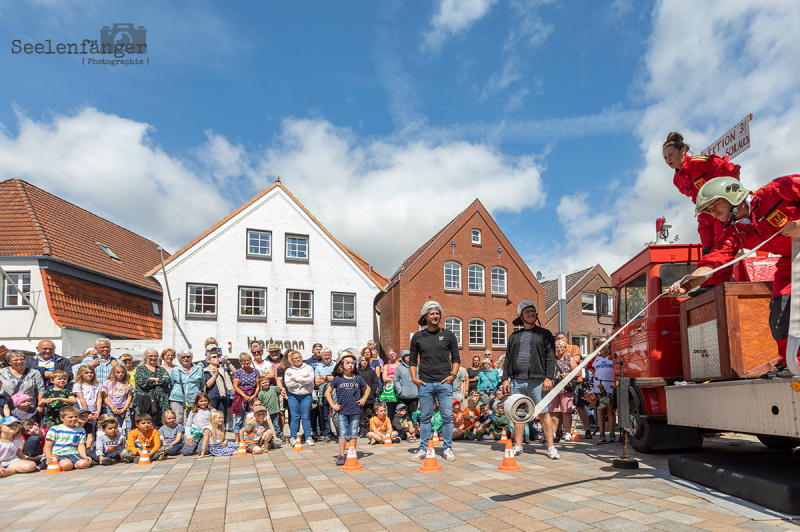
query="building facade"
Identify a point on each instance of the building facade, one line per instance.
(477, 276)
(268, 271)
(582, 324)
(82, 277)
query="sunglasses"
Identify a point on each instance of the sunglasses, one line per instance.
(185, 357)
(258, 352)
(214, 356)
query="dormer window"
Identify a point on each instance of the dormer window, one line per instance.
(108, 251)
(476, 237)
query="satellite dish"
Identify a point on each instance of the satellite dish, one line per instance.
(539, 276)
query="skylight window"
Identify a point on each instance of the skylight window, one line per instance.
(108, 251)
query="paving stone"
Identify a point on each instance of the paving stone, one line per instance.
(620, 524)
(482, 504)
(567, 524)
(391, 519)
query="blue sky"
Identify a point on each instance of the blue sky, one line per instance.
(388, 118)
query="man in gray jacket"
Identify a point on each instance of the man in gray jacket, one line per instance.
(404, 388)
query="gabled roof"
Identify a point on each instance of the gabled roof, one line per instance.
(376, 277)
(36, 223)
(551, 286)
(78, 304)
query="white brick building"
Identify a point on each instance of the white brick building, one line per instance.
(270, 271)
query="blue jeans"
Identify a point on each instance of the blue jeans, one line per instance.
(299, 409)
(348, 426)
(277, 425)
(325, 417)
(443, 393)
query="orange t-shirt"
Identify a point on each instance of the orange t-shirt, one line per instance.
(376, 425)
(471, 415)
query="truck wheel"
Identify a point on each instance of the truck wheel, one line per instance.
(779, 443)
(640, 435)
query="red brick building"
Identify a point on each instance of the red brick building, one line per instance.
(582, 325)
(472, 270)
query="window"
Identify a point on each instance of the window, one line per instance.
(452, 276)
(476, 332)
(475, 278)
(297, 247)
(454, 325)
(606, 305)
(299, 305)
(252, 302)
(259, 243)
(672, 273)
(582, 342)
(499, 333)
(498, 280)
(12, 298)
(156, 308)
(202, 300)
(343, 307)
(108, 251)
(476, 237)
(632, 299)
(587, 303)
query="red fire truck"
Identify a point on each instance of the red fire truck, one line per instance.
(690, 366)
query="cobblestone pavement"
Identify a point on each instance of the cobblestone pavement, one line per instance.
(286, 490)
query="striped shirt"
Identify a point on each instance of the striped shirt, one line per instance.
(524, 356)
(66, 440)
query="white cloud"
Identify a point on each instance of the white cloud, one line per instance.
(453, 17)
(707, 66)
(109, 165)
(530, 29)
(500, 81)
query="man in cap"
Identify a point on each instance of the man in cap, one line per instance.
(433, 364)
(530, 368)
(749, 219)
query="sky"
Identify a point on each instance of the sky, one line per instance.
(387, 118)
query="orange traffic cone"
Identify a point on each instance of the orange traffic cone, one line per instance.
(144, 457)
(52, 466)
(242, 449)
(503, 436)
(351, 464)
(509, 462)
(575, 436)
(387, 440)
(436, 440)
(298, 444)
(430, 463)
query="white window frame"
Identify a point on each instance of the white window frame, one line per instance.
(289, 299)
(240, 306)
(453, 324)
(205, 287)
(470, 277)
(333, 303)
(455, 272)
(499, 335)
(582, 342)
(504, 273)
(476, 237)
(477, 322)
(583, 304)
(296, 258)
(10, 291)
(260, 233)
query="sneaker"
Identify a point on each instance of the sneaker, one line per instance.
(326, 439)
(395, 440)
(541, 437)
(517, 450)
(448, 455)
(469, 436)
(567, 437)
(418, 456)
(588, 435)
(310, 442)
(136, 460)
(612, 439)
(371, 441)
(108, 461)
(552, 453)
(602, 438)
(292, 441)
(778, 372)
(340, 460)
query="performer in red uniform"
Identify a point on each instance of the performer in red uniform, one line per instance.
(750, 218)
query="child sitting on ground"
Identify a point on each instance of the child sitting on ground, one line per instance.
(67, 442)
(12, 459)
(171, 433)
(143, 436)
(24, 409)
(110, 443)
(55, 398)
(251, 404)
(485, 420)
(196, 422)
(268, 395)
(258, 432)
(33, 436)
(499, 422)
(458, 420)
(436, 420)
(402, 425)
(214, 437)
(84, 422)
(380, 427)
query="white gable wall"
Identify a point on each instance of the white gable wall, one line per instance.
(221, 259)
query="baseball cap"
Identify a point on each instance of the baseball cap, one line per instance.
(399, 407)
(211, 347)
(456, 400)
(316, 345)
(82, 410)
(8, 420)
(259, 409)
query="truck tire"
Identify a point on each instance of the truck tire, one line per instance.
(779, 443)
(640, 436)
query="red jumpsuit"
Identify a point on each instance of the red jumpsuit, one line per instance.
(772, 207)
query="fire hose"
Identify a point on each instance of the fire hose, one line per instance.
(519, 410)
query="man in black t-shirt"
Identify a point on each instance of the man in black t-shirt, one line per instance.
(433, 366)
